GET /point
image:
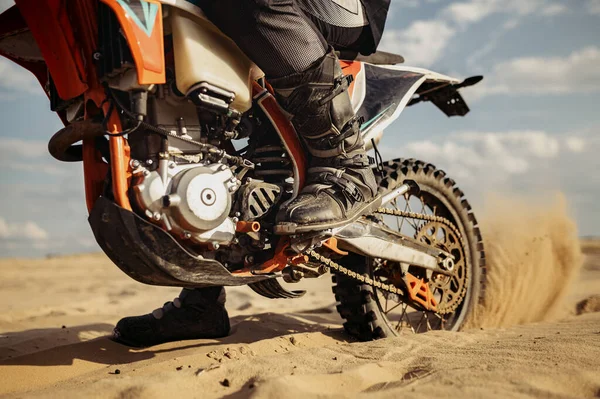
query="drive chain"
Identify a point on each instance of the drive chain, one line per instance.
(330, 264)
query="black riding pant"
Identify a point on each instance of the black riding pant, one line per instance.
(284, 37)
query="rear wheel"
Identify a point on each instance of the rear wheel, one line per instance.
(371, 313)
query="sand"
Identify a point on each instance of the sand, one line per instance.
(56, 315)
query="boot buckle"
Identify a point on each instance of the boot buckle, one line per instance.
(354, 193)
(348, 131)
(348, 187)
(341, 85)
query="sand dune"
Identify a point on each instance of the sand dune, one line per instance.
(297, 349)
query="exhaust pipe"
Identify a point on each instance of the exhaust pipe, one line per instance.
(62, 145)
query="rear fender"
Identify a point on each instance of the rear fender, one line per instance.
(381, 92)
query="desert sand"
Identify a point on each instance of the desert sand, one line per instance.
(528, 340)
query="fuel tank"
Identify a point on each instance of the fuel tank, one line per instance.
(204, 54)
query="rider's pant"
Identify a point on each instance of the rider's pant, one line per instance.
(284, 37)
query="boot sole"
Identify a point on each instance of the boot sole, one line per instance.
(287, 228)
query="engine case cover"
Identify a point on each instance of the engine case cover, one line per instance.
(194, 202)
(203, 198)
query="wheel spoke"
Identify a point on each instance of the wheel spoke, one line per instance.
(420, 321)
(413, 225)
(402, 222)
(394, 307)
(427, 321)
(398, 326)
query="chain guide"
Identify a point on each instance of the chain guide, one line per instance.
(448, 308)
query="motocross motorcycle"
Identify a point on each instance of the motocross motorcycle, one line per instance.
(187, 157)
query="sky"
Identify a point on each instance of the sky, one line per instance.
(532, 131)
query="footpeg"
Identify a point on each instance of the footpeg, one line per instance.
(408, 187)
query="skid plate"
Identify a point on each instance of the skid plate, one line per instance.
(150, 255)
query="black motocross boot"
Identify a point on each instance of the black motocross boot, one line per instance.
(340, 183)
(196, 314)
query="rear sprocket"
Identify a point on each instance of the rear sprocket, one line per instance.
(451, 289)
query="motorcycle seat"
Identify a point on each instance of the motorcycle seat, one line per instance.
(377, 58)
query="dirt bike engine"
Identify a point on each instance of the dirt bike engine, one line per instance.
(192, 201)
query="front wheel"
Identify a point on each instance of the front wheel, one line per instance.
(371, 313)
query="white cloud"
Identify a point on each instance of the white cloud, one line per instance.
(17, 80)
(469, 12)
(30, 156)
(492, 42)
(56, 204)
(422, 43)
(407, 3)
(491, 158)
(22, 148)
(53, 168)
(593, 6)
(575, 144)
(554, 9)
(518, 11)
(535, 143)
(474, 11)
(576, 73)
(412, 3)
(27, 230)
(519, 162)
(6, 4)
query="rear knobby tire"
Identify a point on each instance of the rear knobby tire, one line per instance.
(358, 303)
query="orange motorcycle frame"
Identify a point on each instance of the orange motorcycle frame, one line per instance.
(70, 62)
(67, 38)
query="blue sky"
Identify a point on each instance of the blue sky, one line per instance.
(532, 132)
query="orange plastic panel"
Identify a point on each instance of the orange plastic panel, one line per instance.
(147, 42)
(50, 26)
(351, 68)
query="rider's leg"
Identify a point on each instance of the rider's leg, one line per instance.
(285, 39)
(346, 28)
(196, 313)
(309, 84)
